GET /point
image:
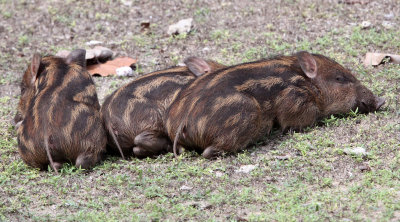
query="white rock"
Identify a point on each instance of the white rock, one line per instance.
(89, 54)
(219, 174)
(183, 26)
(246, 169)
(205, 50)
(355, 151)
(124, 71)
(181, 64)
(184, 187)
(365, 24)
(286, 157)
(101, 52)
(93, 43)
(126, 2)
(387, 24)
(389, 16)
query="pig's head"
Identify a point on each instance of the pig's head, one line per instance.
(31, 75)
(340, 90)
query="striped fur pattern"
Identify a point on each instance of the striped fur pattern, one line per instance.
(135, 113)
(59, 108)
(226, 110)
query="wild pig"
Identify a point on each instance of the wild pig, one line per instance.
(134, 114)
(226, 110)
(59, 114)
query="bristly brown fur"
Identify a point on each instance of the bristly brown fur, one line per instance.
(226, 110)
(61, 98)
(136, 111)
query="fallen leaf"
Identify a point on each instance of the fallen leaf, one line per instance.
(144, 26)
(365, 167)
(110, 67)
(374, 59)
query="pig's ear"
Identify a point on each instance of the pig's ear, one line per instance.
(34, 67)
(77, 56)
(307, 63)
(197, 65)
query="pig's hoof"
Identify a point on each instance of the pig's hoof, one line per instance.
(85, 161)
(211, 153)
(152, 142)
(57, 166)
(140, 152)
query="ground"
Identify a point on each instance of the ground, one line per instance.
(303, 176)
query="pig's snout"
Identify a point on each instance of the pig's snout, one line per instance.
(380, 101)
(368, 102)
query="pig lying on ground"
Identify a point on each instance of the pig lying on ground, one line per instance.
(226, 110)
(58, 114)
(134, 114)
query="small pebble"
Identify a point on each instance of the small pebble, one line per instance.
(365, 167)
(355, 151)
(93, 43)
(124, 71)
(389, 16)
(206, 49)
(246, 169)
(365, 24)
(286, 157)
(387, 24)
(219, 174)
(184, 187)
(183, 26)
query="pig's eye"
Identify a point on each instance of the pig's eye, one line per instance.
(340, 79)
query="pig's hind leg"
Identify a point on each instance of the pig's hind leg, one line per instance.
(151, 143)
(232, 126)
(211, 152)
(87, 160)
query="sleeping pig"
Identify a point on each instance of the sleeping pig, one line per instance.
(226, 110)
(134, 114)
(59, 114)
